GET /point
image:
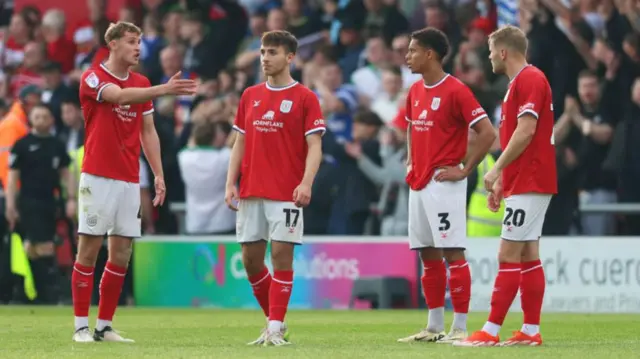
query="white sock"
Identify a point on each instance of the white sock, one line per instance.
(436, 320)
(530, 329)
(101, 324)
(81, 322)
(275, 326)
(491, 328)
(459, 321)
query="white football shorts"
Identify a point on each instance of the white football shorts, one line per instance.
(524, 216)
(438, 215)
(108, 206)
(262, 219)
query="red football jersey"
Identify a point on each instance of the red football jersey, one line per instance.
(534, 171)
(112, 132)
(275, 123)
(440, 117)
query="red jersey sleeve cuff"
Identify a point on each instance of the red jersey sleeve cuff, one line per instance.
(238, 129)
(148, 112)
(530, 112)
(99, 95)
(322, 130)
(475, 120)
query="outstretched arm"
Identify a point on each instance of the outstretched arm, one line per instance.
(135, 95)
(151, 146)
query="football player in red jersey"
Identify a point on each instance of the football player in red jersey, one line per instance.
(276, 154)
(118, 112)
(525, 175)
(440, 110)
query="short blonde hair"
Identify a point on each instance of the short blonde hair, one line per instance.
(119, 29)
(512, 37)
(54, 18)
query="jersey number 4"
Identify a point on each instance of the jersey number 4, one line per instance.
(291, 217)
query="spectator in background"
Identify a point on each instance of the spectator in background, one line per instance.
(54, 91)
(393, 208)
(399, 49)
(323, 56)
(199, 57)
(592, 126)
(384, 19)
(203, 166)
(21, 31)
(151, 44)
(73, 133)
(368, 79)
(171, 26)
(386, 104)
(29, 72)
(249, 57)
(59, 48)
(301, 21)
(437, 15)
(351, 46)
(356, 194)
(338, 102)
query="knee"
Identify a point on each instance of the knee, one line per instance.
(282, 256)
(431, 254)
(253, 262)
(120, 256)
(454, 255)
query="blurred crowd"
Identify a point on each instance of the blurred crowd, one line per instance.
(351, 53)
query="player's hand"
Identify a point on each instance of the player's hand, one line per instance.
(302, 195)
(179, 86)
(493, 202)
(11, 214)
(490, 179)
(231, 197)
(71, 208)
(161, 191)
(451, 174)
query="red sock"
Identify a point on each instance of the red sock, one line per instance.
(460, 286)
(110, 288)
(532, 285)
(434, 283)
(261, 283)
(81, 289)
(504, 291)
(279, 294)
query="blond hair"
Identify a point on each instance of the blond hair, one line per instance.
(512, 37)
(119, 29)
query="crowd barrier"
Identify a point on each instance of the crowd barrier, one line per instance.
(584, 274)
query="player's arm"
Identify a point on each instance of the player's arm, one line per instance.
(520, 139)
(113, 93)
(314, 158)
(12, 184)
(485, 139)
(151, 145)
(477, 119)
(237, 153)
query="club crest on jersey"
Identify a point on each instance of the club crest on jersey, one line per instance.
(92, 80)
(435, 103)
(285, 106)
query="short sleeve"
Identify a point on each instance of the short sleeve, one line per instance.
(407, 107)
(530, 95)
(92, 85)
(238, 124)
(16, 156)
(147, 107)
(313, 120)
(470, 110)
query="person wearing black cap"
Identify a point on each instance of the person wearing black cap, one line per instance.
(38, 162)
(54, 90)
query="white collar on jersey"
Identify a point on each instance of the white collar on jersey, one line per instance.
(446, 75)
(518, 73)
(280, 88)
(114, 75)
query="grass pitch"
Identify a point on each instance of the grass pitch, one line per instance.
(45, 332)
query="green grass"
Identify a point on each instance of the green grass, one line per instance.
(45, 332)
